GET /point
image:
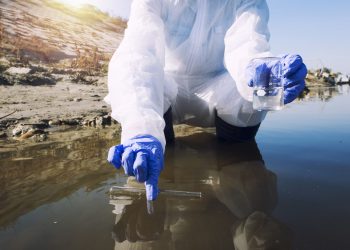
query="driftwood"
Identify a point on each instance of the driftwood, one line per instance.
(8, 115)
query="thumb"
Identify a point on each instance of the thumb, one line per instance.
(115, 155)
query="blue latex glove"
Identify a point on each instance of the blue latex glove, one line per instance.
(142, 157)
(294, 72)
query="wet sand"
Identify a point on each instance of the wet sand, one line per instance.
(60, 101)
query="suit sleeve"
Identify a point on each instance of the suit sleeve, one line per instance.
(136, 73)
(247, 38)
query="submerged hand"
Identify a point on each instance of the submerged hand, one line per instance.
(293, 74)
(142, 157)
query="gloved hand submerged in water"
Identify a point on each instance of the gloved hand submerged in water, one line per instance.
(142, 157)
(294, 72)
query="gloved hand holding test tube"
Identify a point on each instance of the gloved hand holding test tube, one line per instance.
(276, 80)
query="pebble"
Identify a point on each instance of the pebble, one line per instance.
(40, 125)
(108, 119)
(20, 129)
(85, 122)
(17, 131)
(70, 122)
(77, 99)
(3, 135)
(101, 121)
(20, 71)
(39, 137)
(55, 122)
(92, 123)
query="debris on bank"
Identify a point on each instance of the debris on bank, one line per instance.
(326, 76)
(17, 130)
(16, 73)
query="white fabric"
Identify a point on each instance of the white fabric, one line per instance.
(171, 47)
(199, 97)
(260, 231)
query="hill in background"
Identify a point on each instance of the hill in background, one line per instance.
(49, 31)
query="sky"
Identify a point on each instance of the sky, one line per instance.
(317, 30)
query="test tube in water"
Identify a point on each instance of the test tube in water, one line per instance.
(118, 189)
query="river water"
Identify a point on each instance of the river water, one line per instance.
(289, 190)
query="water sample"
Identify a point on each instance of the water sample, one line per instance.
(268, 99)
(267, 84)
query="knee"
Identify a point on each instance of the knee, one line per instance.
(168, 129)
(231, 133)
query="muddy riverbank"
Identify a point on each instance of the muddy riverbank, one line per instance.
(41, 110)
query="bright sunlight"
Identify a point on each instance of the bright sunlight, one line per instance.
(75, 3)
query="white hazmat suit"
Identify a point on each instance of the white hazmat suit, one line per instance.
(189, 55)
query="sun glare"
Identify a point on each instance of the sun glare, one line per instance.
(75, 3)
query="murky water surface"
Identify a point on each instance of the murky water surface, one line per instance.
(289, 190)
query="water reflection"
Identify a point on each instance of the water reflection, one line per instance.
(240, 194)
(325, 93)
(47, 172)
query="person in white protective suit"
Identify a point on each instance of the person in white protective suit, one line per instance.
(189, 60)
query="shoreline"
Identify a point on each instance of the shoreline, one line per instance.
(29, 111)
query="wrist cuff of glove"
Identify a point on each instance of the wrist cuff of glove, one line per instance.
(132, 130)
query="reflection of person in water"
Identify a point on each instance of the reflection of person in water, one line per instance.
(239, 196)
(134, 223)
